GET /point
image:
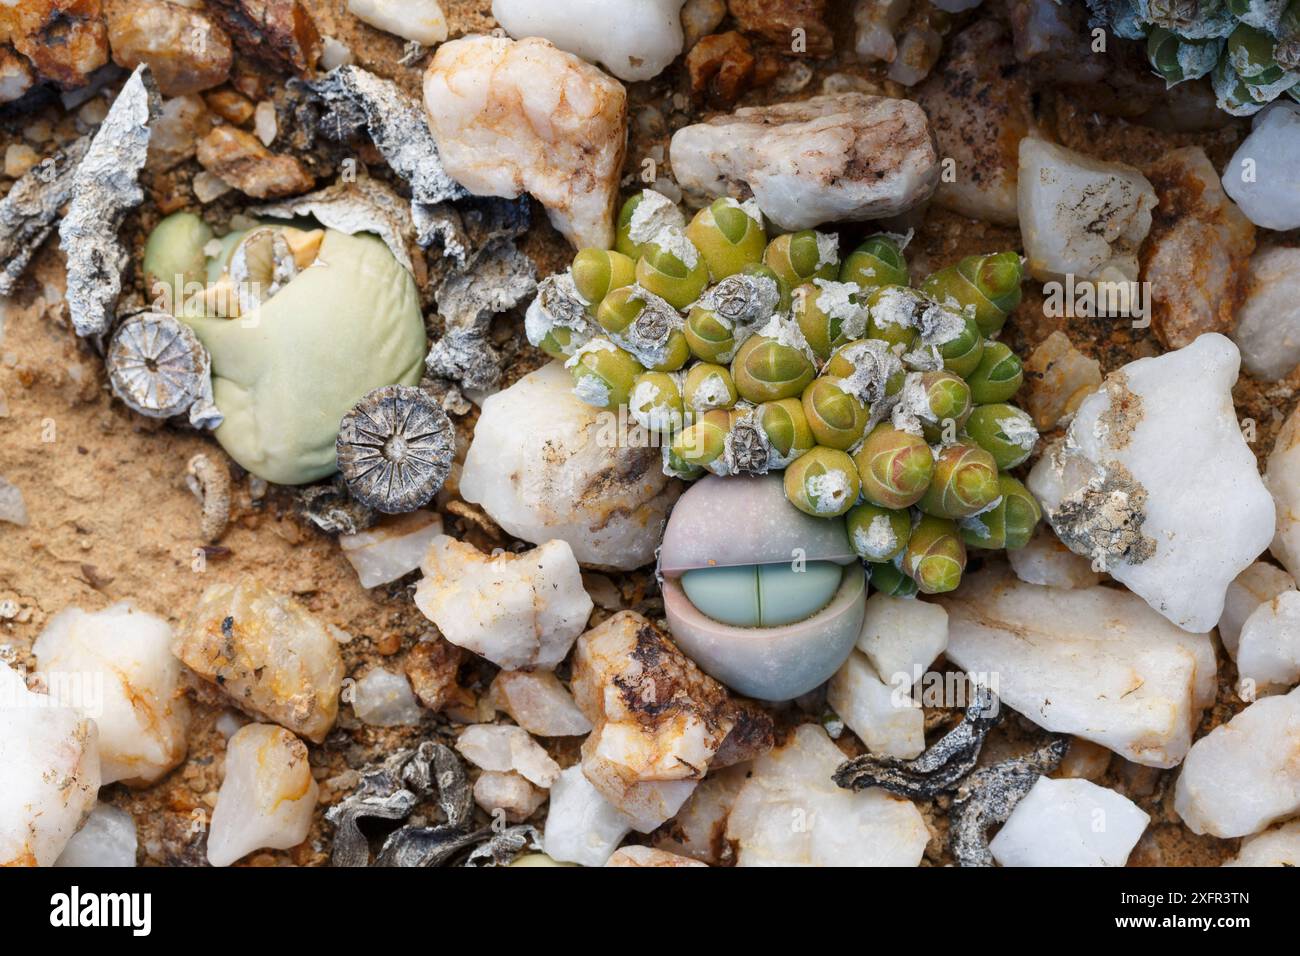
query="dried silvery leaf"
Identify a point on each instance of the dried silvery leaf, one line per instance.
(990, 794)
(501, 279)
(398, 129)
(28, 212)
(467, 227)
(104, 188)
(366, 205)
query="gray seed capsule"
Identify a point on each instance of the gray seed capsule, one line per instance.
(157, 365)
(395, 449)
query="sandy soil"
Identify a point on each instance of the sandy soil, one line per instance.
(111, 518)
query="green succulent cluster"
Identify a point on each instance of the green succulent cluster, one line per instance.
(885, 405)
(1249, 48)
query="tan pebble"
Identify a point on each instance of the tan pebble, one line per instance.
(19, 158)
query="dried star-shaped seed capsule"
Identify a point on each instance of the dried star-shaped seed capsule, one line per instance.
(395, 448)
(157, 366)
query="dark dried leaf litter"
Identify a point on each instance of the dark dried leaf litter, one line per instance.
(988, 796)
(941, 768)
(395, 789)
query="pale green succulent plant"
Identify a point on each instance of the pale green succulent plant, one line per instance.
(286, 372)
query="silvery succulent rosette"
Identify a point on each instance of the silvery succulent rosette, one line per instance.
(1249, 48)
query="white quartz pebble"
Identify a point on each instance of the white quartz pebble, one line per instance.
(384, 699)
(1268, 652)
(1282, 476)
(1137, 686)
(902, 636)
(1116, 489)
(1263, 176)
(116, 666)
(502, 748)
(49, 773)
(517, 610)
(1254, 586)
(1244, 775)
(791, 813)
(267, 797)
(1069, 823)
(1278, 846)
(1044, 560)
(633, 39)
(107, 838)
(511, 117)
(1079, 215)
(13, 508)
(392, 548)
(509, 793)
(1268, 321)
(884, 716)
(646, 754)
(581, 825)
(806, 162)
(544, 465)
(269, 654)
(649, 856)
(419, 20)
(698, 827)
(538, 702)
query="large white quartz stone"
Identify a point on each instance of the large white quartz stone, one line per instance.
(902, 637)
(503, 748)
(511, 117)
(1268, 321)
(267, 796)
(1069, 823)
(1119, 488)
(884, 716)
(392, 548)
(633, 39)
(517, 610)
(538, 702)
(1263, 176)
(116, 666)
(1079, 215)
(107, 838)
(1094, 662)
(544, 464)
(581, 825)
(790, 813)
(1245, 774)
(836, 158)
(1282, 476)
(1257, 585)
(49, 773)
(1279, 846)
(1268, 653)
